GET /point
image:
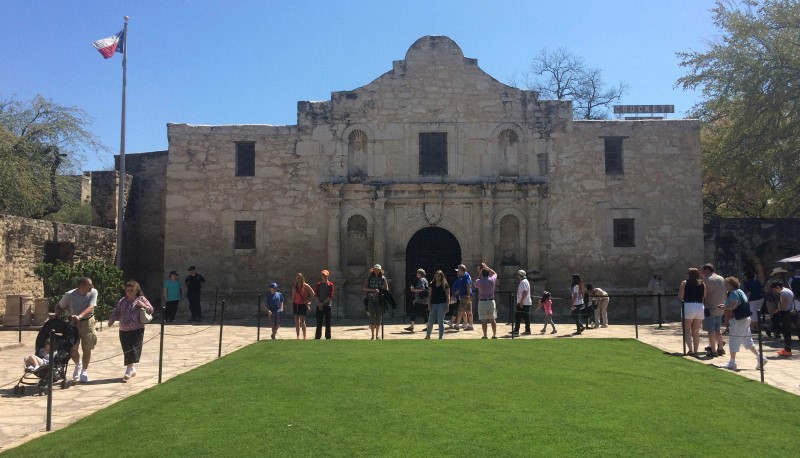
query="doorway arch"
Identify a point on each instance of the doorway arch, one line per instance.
(431, 248)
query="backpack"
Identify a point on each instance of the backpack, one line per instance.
(742, 310)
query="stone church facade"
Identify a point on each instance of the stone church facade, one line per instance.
(433, 164)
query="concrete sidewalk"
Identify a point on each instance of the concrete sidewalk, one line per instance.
(189, 346)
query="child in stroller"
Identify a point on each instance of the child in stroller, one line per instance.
(38, 359)
(64, 338)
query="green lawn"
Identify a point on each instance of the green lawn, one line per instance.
(554, 397)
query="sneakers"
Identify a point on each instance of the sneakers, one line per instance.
(721, 352)
(77, 372)
(127, 374)
(484, 337)
(731, 365)
(455, 327)
(410, 329)
(31, 368)
(711, 354)
(526, 333)
(761, 364)
(494, 337)
(543, 331)
(784, 352)
(469, 328)
(84, 377)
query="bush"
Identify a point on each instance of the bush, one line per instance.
(61, 277)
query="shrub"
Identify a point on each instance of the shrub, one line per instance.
(61, 277)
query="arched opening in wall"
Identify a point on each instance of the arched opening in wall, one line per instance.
(431, 249)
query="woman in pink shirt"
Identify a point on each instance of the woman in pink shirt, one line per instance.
(131, 331)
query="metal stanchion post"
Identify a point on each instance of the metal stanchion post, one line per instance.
(221, 325)
(760, 346)
(258, 314)
(683, 329)
(50, 380)
(161, 345)
(660, 320)
(635, 316)
(20, 319)
(216, 296)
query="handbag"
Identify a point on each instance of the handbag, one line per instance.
(145, 317)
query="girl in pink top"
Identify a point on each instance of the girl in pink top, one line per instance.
(547, 303)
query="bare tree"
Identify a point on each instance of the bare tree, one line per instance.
(562, 75)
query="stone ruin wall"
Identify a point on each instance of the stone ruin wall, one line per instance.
(22, 246)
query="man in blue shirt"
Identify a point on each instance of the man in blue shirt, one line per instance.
(462, 291)
(274, 302)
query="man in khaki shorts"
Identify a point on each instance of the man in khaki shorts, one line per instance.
(79, 305)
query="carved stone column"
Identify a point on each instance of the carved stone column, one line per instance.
(487, 228)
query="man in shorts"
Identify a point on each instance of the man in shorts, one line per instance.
(715, 295)
(462, 289)
(487, 309)
(78, 304)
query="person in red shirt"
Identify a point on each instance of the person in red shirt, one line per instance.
(324, 292)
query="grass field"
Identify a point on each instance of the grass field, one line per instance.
(555, 397)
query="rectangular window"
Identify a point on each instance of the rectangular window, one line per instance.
(624, 233)
(433, 154)
(245, 159)
(244, 235)
(614, 155)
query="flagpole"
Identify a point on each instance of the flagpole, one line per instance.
(122, 180)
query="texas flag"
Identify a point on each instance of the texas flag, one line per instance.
(107, 46)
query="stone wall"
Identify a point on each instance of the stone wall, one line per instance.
(23, 243)
(660, 189)
(143, 228)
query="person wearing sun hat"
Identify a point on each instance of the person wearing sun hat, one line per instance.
(274, 303)
(324, 292)
(373, 285)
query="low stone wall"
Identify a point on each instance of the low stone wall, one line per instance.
(24, 243)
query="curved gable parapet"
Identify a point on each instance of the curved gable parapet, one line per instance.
(438, 47)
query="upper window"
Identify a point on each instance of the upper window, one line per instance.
(624, 233)
(245, 159)
(614, 155)
(433, 153)
(244, 235)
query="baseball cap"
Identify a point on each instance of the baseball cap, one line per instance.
(377, 266)
(273, 285)
(325, 272)
(461, 267)
(172, 272)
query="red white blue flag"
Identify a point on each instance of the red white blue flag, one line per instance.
(107, 46)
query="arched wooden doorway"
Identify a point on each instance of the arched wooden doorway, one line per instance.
(431, 249)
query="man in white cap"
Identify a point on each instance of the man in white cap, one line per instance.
(524, 303)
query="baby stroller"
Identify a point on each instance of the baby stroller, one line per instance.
(65, 337)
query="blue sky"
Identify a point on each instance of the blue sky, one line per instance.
(249, 62)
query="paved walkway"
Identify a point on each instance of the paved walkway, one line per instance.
(24, 417)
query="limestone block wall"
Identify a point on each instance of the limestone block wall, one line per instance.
(143, 229)
(660, 189)
(205, 198)
(22, 246)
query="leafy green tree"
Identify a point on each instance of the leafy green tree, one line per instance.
(39, 141)
(61, 277)
(563, 75)
(750, 81)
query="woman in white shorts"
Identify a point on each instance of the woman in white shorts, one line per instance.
(692, 292)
